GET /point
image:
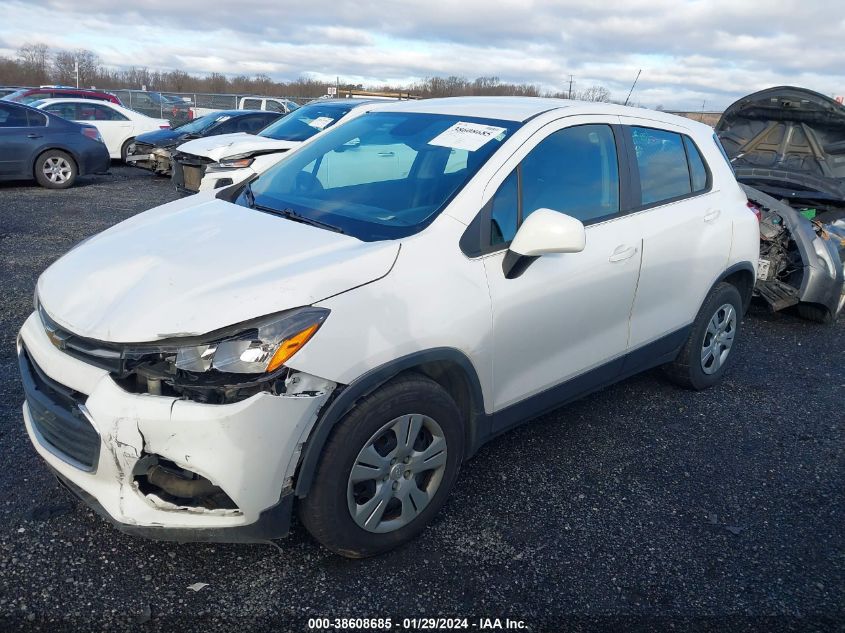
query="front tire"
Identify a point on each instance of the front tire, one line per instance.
(386, 469)
(55, 169)
(124, 150)
(709, 349)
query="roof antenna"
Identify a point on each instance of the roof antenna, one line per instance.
(632, 86)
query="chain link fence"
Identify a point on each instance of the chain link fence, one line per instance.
(179, 107)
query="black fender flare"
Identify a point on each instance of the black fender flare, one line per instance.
(337, 407)
(744, 266)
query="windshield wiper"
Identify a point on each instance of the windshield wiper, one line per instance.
(288, 213)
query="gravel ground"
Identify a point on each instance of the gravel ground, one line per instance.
(640, 507)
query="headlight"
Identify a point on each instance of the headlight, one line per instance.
(263, 348)
(233, 162)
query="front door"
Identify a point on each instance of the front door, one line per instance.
(565, 318)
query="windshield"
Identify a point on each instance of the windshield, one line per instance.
(305, 122)
(200, 125)
(16, 95)
(380, 176)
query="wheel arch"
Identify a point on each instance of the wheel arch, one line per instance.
(448, 367)
(50, 148)
(741, 276)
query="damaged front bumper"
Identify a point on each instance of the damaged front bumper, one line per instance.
(137, 458)
(150, 157)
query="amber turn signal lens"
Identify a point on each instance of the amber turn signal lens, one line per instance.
(291, 346)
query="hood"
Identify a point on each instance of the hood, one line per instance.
(787, 141)
(225, 145)
(163, 138)
(188, 268)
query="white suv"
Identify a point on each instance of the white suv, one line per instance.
(341, 339)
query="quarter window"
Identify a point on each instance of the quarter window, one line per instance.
(697, 170)
(36, 119)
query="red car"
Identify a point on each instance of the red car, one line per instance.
(28, 95)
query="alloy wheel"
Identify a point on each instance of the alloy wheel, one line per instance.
(57, 169)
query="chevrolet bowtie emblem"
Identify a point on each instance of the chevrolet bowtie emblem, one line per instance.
(56, 338)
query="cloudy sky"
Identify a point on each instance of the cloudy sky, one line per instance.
(691, 52)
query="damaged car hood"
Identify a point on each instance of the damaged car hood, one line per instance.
(218, 147)
(787, 141)
(189, 268)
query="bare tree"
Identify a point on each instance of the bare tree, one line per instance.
(594, 93)
(35, 59)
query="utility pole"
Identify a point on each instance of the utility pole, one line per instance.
(76, 70)
(570, 86)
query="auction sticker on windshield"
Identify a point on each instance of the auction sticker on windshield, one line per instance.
(468, 136)
(320, 122)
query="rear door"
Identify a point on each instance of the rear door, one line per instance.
(16, 140)
(686, 236)
(113, 126)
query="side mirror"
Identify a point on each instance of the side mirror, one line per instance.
(544, 231)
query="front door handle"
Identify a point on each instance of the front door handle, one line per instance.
(622, 252)
(711, 215)
(31, 135)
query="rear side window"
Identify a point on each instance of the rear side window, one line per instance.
(662, 163)
(11, 116)
(251, 104)
(96, 112)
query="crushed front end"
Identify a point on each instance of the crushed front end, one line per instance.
(151, 157)
(160, 457)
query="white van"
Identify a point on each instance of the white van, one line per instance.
(340, 347)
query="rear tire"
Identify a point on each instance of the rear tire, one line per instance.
(709, 349)
(386, 469)
(55, 169)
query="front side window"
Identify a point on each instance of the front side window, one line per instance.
(574, 171)
(662, 164)
(67, 111)
(380, 176)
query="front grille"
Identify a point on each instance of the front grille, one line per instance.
(95, 353)
(57, 417)
(142, 148)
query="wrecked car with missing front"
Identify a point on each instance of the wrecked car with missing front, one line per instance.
(341, 332)
(787, 147)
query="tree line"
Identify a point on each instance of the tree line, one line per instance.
(36, 64)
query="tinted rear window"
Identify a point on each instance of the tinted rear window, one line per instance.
(662, 163)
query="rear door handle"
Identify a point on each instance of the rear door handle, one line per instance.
(30, 135)
(622, 252)
(711, 215)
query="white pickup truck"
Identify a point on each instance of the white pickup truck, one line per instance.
(273, 104)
